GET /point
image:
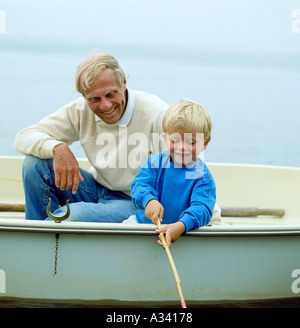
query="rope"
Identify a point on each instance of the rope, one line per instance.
(10, 179)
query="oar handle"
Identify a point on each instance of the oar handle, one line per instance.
(250, 211)
(6, 207)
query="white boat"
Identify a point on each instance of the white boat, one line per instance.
(245, 258)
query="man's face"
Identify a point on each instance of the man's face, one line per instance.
(106, 98)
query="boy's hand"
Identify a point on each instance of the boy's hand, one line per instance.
(154, 210)
(172, 232)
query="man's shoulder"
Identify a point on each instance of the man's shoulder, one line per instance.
(76, 108)
(78, 103)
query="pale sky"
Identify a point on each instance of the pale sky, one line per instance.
(256, 25)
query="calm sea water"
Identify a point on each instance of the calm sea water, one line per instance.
(240, 59)
(254, 105)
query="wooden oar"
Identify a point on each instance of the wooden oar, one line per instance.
(6, 207)
(250, 212)
(178, 283)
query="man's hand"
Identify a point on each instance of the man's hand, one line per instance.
(172, 232)
(154, 210)
(66, 168)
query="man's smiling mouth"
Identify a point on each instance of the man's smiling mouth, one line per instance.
(108, 113)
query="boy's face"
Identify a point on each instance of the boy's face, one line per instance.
(184, 148)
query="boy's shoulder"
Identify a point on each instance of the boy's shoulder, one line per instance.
(199, 171)
(207, 175)
(157, 160)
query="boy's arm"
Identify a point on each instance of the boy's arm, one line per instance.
(154, 210)
(198, 214)
(202, 203)
(143, 186)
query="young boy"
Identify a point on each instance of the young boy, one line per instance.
(175, 185)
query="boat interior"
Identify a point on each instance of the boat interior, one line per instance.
(239, 187)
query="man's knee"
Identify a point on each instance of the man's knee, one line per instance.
(34, 166)
(29, 162)
(32, 163)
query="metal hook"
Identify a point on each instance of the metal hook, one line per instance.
(58, 218)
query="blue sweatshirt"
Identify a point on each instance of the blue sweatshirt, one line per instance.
(188, 194)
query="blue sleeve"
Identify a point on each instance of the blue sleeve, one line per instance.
(202, 204)
(143, 185)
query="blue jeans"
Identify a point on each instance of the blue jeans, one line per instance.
(91, 203)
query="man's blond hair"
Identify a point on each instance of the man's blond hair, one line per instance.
(187, 116)
(91, 67)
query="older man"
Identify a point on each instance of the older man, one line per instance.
(117, 127)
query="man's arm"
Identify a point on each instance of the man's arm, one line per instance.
(60, 127)
(50, 138)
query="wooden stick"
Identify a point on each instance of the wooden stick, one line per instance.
(167, 249)
(250, 212)
(6, 207)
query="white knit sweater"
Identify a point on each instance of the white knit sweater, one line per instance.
(115, 151)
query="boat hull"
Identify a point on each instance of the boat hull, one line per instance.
(118, 263)
(242, 259)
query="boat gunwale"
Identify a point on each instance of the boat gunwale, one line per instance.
(82, 228)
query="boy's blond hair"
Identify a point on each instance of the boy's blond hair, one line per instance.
(187, 116)
(91, 67)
